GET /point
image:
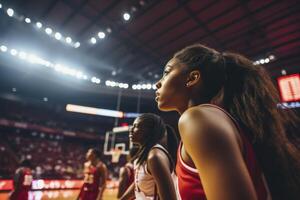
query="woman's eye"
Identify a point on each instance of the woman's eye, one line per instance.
(165, 73)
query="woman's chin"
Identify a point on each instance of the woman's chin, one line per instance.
(163, 107)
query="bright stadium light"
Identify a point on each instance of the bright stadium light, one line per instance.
(34, 59)
(10, 12)
(77, 44)
(3, 48)
(48, 31)
(107, 83)
(126, 16)
(149, 86)
(271, 57)
(267, 60)
(13, 52)
(57, 36)
(261, 61)
(93, 40)
(68, 40)
(101, 35)
(39, 25)
(0, 5)
(27, 20)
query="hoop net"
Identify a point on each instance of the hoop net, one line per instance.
(115, 156)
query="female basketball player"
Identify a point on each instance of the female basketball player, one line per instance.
(126, 177)
(155, 161)
(234, 140)
(22, 181)
(95, 175)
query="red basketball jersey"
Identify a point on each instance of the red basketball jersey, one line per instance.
(91, 183)
(189, 182)
(23, 184)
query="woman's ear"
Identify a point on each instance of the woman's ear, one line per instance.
(193, 78)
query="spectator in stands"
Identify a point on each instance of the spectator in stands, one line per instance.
(22, 181)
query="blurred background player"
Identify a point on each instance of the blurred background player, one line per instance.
(95, 175)
(155, 161)
(22, 181)
(126, 177)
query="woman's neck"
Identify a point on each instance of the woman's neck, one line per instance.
(192, 103)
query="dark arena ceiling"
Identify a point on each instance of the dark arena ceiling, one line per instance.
(136, 50)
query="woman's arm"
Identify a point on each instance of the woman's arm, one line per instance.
(211, 139)
(159, 167)
(103, 178)
(129, 194)
(122, 182)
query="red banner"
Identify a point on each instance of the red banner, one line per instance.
(289, 87)
(53, 184)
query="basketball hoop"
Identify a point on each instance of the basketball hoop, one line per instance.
(115, 156)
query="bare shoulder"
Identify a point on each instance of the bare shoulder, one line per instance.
(199, 113)
(206, 126)
(156, 155)
(123, 172)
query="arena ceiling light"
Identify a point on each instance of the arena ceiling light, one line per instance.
(3, 48)
(77, 44)
(101, 35)
(13, 52)
(27, 20)
(95, 80)
(34, 59)
(60, 68)
(147, 86)
(110, 83)
(57, 36)
(126, 16)
(38, 25)
(48, 30)
(264, 60)
(93, 40)
(10, 12)
(68, 40)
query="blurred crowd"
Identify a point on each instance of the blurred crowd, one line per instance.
(52, 155)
